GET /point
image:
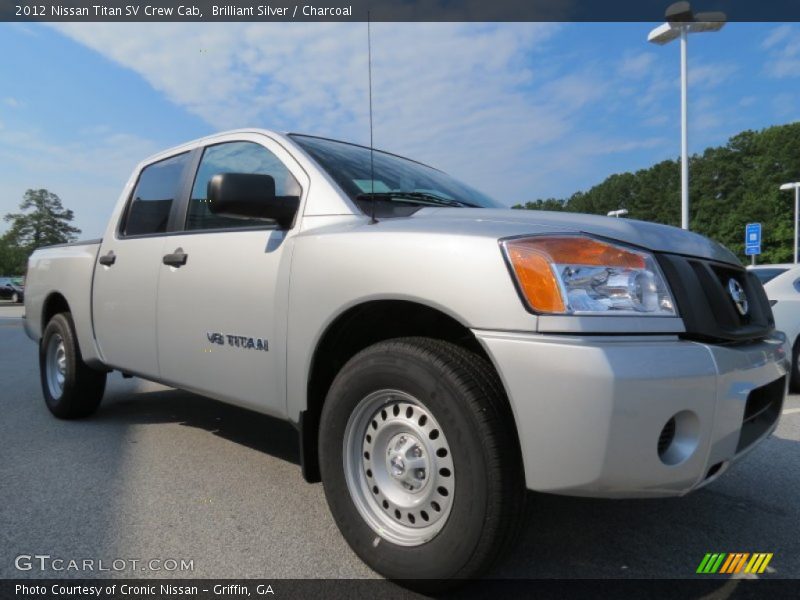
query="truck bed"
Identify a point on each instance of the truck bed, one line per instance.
(63, 271)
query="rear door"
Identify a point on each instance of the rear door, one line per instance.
(222, 314)
(126, 278)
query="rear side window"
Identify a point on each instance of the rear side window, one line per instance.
(150, 205)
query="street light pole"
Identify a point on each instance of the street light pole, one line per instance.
(796, 187)
(680, 23)
(684, 130)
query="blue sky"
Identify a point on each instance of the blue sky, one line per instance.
(520, 110)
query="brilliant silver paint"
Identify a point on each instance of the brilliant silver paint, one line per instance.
(586, 408)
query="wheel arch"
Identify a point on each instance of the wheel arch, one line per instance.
(54, 303)
(358, 327)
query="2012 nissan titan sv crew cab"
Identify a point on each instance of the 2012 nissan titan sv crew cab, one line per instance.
(438, 352)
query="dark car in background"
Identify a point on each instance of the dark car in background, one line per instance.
(12, 288)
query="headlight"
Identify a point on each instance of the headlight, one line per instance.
(572, 274)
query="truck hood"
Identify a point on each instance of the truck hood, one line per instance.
(507, 222)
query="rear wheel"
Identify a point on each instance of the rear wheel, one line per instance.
(419, 460)
(71, 388)
(15, 298)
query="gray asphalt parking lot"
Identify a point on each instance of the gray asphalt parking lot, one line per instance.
(164, 474)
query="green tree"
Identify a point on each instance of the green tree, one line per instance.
(47, 223)
(549, 204)
(12, 257)
(730, 186)
(42, 222)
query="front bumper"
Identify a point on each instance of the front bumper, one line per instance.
(590, 410)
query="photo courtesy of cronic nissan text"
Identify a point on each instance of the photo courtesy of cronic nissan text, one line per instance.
(401, 300)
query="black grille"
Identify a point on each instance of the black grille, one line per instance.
(666, 437)
(762, 409)
(700, 288)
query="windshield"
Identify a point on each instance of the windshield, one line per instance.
(396, 179)
(766, 275)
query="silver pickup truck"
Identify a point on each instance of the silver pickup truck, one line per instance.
(437, 352)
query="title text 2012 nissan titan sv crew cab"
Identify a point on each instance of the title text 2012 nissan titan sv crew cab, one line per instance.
(438, 353)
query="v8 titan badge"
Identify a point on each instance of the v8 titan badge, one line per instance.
(239, 341)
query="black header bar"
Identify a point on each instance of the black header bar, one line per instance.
(386, 10)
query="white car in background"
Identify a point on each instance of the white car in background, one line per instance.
(782, 284)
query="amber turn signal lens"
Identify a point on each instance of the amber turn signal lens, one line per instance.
(535, 277)
(533, 258)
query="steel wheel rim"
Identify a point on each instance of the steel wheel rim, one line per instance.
(56, 365)
(398, 467)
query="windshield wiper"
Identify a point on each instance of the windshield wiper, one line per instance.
(419, 197)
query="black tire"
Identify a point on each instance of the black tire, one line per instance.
(82, 387)
(794, 377)
(464, 395)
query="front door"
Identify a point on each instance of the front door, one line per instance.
(222, 314)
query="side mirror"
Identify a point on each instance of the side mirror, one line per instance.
(248, 196)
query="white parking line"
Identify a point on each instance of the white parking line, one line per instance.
(791, 411)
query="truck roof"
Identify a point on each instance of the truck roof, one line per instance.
(268, 132)
(206, 139)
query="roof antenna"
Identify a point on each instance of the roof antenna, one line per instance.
(373, 220)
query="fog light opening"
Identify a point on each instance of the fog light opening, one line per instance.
(667, 436)
(714, 470)
(679, 438)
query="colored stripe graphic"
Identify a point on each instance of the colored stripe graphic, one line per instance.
(738, 563)
(729, 562)
(734, 562)
(759, 562)
(703, 564)
(711, 563)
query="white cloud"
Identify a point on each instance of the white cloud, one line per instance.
(481, 101)
(710, 75)
(747, 101)
(783, 52)
(13, 102)
(637, 66)
(657, 120)
(776, 36)
(117, 152)
(24, 29)
(87, 172)
(455, 95)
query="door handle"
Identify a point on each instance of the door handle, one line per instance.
(108, 259)
(177, 259)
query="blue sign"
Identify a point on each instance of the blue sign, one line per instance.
(752, 239)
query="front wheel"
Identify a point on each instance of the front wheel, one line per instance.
(71, 388)
(419, 460)
(15, 298)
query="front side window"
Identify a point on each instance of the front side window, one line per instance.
(235, 157)
(152, 199)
